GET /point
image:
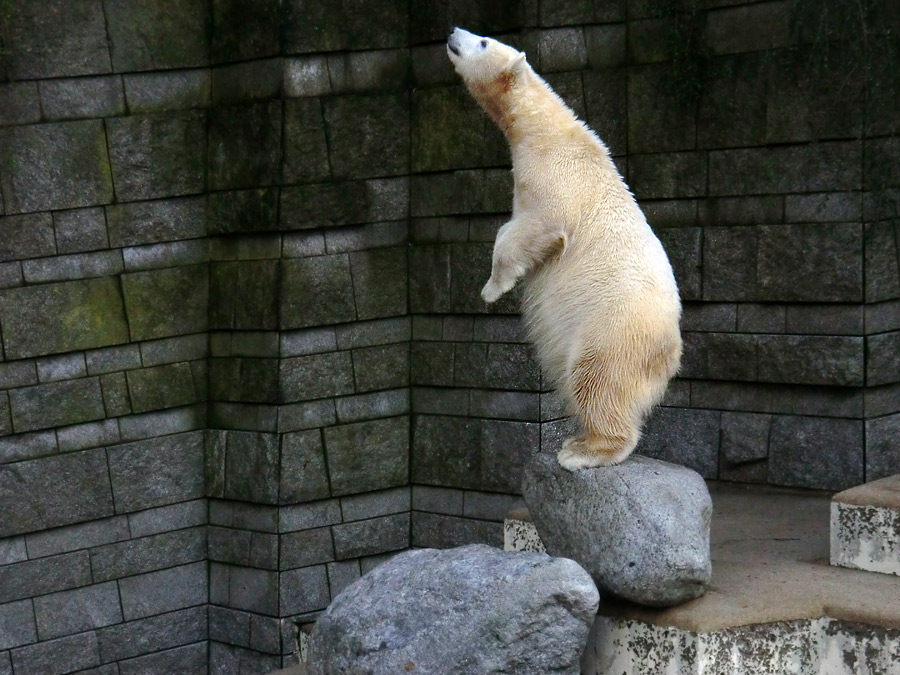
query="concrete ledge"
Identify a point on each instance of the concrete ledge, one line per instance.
(865, 527)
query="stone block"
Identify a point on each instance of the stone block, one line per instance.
(373, 333)
(371, 537)
(242, 82)
(157, 221)
(70, 267)
(306, 76)
(342, 574)
(26, 236)
(305, 147)
(730, 263)
(316, 291)
(303, 474)
(67, 612)
(368, 455)
(74, 537)
(244, 588)
(605, 100)
(809, 97)
(437, 500)
(668, 175)
(242, 32)
(429, 278)
(75, 651)
(820, 262)
(47, 575)
(229, 625)
(146, 554)
(242, 211)
(507, 405)
(115, 394)
(431, 530)
(169, 254)
(605, 46)
(448, 130)
(566, 13)
(62, 317)
(17, 624)
(654, 40)
(662, 109)
(323, 205)
(758, 318)
(379, 282)
(823, 207)
(816, 167)
(167, 518)
(373, 24)
(251, 467)
(51, 38)
(165, 91)
(80, 230)
(303, 590)
(374, 504)
(316, 376)
(167, 302)
(187, 659)
(82, 97)
(882, 263)
(243, 547)
(306, 516)
(55, 166)
(382, 367)
(157, 471)
(164, 591)
(745, 437)
(157, 35)
(798, 359)
(720, 356)
(436, 401)
(368, 71)
(373, 406)
(511, 366)
(747, 29)
(12, 550)
(305, 548)
(158, 155)
(488, 506)
(731, 111)
(368, 135)
(25, 446)
(92, 434)
(488, 454)
(683, 247)
(55, 491)
(561, 49)
(882, 453)
(816, 452)
(683, 436)
(741, 210)
(225, 658)
(883, 358)
(245, 145)
(19, 103)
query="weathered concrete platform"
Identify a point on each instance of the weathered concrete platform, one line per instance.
(865, 527)
(774, 605)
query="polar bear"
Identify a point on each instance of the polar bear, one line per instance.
(600, 301)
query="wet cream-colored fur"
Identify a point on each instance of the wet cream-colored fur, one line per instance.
(600, 301)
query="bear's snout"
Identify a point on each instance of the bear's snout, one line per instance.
(453, 42)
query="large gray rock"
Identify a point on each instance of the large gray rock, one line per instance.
(469, 610)
(640, 528)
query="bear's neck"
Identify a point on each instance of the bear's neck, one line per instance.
(527, 111)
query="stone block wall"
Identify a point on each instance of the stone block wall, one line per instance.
(244, 357)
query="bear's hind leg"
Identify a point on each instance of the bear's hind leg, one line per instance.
(608, 412)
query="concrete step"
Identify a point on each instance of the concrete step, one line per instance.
(865, 527)
(775, 605)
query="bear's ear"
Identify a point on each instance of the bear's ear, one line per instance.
(518, 62)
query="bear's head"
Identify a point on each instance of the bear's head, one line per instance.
(490, 69)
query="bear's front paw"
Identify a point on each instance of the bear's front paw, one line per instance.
(491, 291)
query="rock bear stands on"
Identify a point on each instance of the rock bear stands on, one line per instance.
(600, 301)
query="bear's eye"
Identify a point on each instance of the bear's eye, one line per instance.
(483, 44)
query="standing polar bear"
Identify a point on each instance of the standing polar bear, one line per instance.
(600, 302)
